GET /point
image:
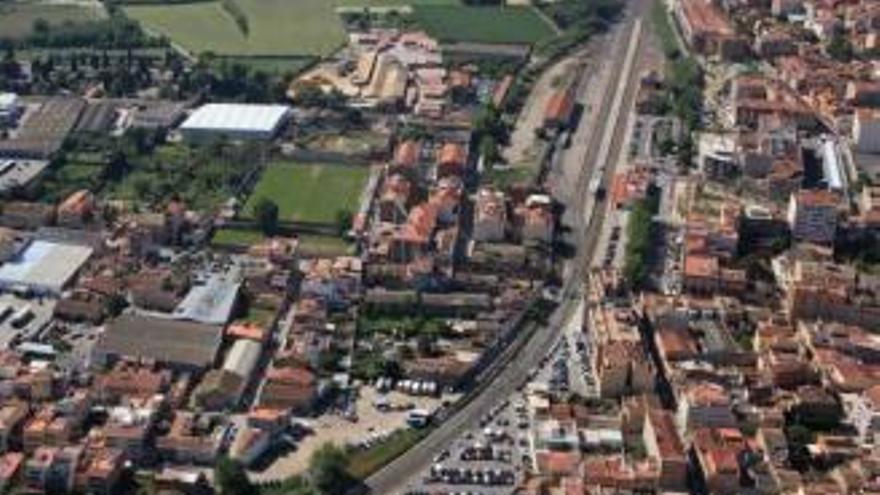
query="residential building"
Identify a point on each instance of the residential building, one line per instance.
(813, 216)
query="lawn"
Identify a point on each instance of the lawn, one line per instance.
(236, 237)
(270, 65)
(323, 246)
(310, 192)
(363, 463)
(276, 27)
(384, 3)
(483, 24)
(17, 18)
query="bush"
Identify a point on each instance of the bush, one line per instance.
(638, 243)
(235, 11)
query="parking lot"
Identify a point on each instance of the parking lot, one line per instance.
(490, 460)
(372, 425)
(25, 328)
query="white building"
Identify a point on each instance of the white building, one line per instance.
(10, 109)
(866, 131)
(241, 122)
(865, 415)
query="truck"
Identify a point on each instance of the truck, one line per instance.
(418, 418)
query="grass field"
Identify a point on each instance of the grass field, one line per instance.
(236, 237)
(483, 24)
(271, 65)
(383, 3)
(310, 192)
(277, 27)
(17, 19)
(362, 464)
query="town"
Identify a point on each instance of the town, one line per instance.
(437, 247)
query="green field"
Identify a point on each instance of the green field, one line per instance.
(483, 24)
(276, 27)
(363, 463)
(17, 19)
(384, 3)
(270, 65)
(236, 237)
(310, 192)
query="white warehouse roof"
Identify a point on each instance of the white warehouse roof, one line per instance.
(243, 358)
(236, 117)
(44, 266)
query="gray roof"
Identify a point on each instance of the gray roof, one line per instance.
(210, 302)
(44, 266)
(236, 117)
(164, 340)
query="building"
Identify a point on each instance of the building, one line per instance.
(828, 291)
(10, 109)
(179, 344)
(210, 301)
(490, 216)
(77, 210)
(705, 405)
(44, 267)
(812, 216)
(662, 443)
(621, 365)
(245, 122)
(866, 130)
(560, 106)
(708, 31)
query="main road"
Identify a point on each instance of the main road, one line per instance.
(600, 155)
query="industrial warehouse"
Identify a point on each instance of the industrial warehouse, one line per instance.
(235, 122)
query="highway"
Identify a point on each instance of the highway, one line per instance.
(599, 152)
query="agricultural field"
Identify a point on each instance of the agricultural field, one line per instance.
(17, 18)
(310, 192)
(275, 27)
(483, 24)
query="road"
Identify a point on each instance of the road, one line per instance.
(601, 153)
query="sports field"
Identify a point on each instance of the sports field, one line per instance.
(17, 18)
(310, 192)
(276, 27)
(483, 24)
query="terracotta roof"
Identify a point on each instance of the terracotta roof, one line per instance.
(451, 154)
(817, 198)
(407, 154)
(700, 266)
(669, 443)
(703, 15)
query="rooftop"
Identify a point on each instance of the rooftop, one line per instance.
(230, 116)
(163, 340)
(44, 265)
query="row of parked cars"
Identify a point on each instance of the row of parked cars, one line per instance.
(412, 387)
(468, 476)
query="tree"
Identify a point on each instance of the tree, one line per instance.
(344, 219)
(266, 213)
(839, 48)
(328, 470)
(231, 479)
